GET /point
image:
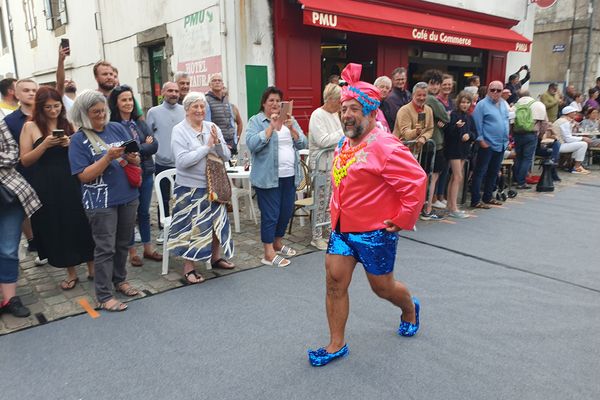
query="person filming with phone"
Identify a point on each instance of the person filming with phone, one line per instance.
(109, 192)
(60, 227)
(274, 137)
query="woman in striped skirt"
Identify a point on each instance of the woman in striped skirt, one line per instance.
(200, 228)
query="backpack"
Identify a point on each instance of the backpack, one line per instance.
(524, 121)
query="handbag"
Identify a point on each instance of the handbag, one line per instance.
(132, 172)
(219, 188)
(7, 196)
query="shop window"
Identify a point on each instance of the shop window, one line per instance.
(56, 14)
(30, 22)
(435, 56)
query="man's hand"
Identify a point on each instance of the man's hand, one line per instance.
(441, 124)
(587, 140)
(391, 227)
(483, 144)
(421, 140)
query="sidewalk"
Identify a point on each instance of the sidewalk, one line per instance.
(38, 286)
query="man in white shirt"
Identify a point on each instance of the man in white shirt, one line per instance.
(562, 130)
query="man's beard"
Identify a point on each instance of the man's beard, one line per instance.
(107, 86)
(357, 132)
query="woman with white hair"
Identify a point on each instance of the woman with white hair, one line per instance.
(384, 84)
(97, 157)
(326, 131)
(199, 227)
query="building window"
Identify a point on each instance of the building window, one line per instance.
(3, 41)
(30, 22)
(56, 14)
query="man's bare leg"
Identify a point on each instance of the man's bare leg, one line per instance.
(396, 292)
(339, 271)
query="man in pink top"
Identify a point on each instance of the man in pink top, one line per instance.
(378, 190)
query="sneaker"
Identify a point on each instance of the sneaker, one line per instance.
(39, 261)
(320, 244)
(161, 236)
(458, 214)
(136, 235)
(431, 216)
(523, 187)
(439, 204)
(16, 308)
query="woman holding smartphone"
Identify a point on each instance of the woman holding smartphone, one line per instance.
(274, 137)
(123, 110)
(60, 227)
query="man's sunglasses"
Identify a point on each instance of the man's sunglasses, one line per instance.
(495, 90)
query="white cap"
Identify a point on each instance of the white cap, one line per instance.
(568, 110)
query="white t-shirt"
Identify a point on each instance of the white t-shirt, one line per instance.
(287, 156)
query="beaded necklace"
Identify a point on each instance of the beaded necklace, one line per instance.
(343, 161)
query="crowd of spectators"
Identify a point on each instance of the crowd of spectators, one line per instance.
(76, 192)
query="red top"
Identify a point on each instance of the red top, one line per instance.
(373, 181)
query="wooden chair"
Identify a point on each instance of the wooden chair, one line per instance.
(304, 191)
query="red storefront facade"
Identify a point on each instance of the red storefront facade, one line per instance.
(383, 35)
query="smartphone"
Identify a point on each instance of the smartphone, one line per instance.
(421, 119)
(131, 146)
(286, 108)
(58, 133)
(64, 43)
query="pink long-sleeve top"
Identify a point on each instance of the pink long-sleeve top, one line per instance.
(381, 181)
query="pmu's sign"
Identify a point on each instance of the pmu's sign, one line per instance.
(324, 19)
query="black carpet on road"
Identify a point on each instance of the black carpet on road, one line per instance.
(510, 309)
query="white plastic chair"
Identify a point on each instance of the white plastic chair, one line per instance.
(236, 193)
(164, 220)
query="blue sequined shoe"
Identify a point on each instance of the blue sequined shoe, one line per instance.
(408, 329)
(321, 357)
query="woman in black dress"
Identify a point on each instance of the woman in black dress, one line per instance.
(459, 134)
(61, 227)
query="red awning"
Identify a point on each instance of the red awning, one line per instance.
(376, 19)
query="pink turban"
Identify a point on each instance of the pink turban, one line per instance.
(366, 94)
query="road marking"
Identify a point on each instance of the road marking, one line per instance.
(86, 306)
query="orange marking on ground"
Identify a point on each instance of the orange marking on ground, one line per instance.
(86, 306)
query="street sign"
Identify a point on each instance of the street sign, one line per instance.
(544, 3)
(558, 48)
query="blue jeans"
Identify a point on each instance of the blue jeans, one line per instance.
(525, 144)
(11, 218)
(276, 208)
(487, 167)
(143, 211)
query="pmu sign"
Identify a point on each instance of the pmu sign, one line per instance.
(544, 3)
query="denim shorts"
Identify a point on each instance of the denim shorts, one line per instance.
(375, 250)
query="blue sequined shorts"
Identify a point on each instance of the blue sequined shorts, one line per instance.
(375, 250)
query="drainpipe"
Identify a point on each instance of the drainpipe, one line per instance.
(98, 20)
(589, 43)
(12, 39)
(568, 75)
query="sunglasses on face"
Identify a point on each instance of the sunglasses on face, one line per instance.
(495, 90)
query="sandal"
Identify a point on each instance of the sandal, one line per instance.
(116, 307)
(155, 255)
(277, 261)
(127, 289)
(222, 264)
(481, 205)
(136, 261)
(286, 251)
(494, 202)
(68, 284)
(199, 277)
